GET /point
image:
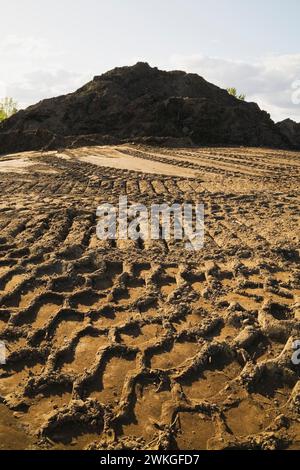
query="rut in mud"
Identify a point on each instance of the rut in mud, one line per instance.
(122, 344)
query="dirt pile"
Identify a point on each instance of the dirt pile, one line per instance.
(143, 104)
(291, 130)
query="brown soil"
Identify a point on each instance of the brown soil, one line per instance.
(143, 345)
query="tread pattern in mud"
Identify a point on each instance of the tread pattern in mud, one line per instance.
(128, 345)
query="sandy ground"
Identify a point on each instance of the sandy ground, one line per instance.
(139, 344)
(114, 158)
(20, 164)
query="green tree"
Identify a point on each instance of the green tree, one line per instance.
(8, 107)
(233, 92)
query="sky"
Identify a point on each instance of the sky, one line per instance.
(52, 48)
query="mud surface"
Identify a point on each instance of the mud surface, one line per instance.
(142, 345)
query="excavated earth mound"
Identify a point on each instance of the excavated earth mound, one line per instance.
(291, 130)
(143, 104)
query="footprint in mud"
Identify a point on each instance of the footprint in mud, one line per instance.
(253, 283)
(14, 344)
(247, 303)
(226, 332)
(5, 267)
(283, 276)
(106, 279)
(212, 380)
(65, 327)
(45, 312)
(67, 284)
(197, 281)
(140, 336)
(13, 435)
(109, 388)
(42, 406)
(14, 282)
(167, 281)
(28, 297)
(227, 279)
(100, 283)
(273, 388)
(84, 355)
(114, 269)
(112, 316)
(87, 300)
(135, 290)
(266, 349)
(150, 311)
(192, 320)
(248, 417)
(199, 286)
(47, 306)
(142, 270)
(146, 411)
(294, 433)
(4, 318)
(174, 356)
(19, 376)
(280, 311)
(194, 431)
(48, 270)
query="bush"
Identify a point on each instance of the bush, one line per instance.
(233, 92)
(8, 107)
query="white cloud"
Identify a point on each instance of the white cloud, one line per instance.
(269, 81)
(33, 70)
(3, 91)
(40, 84)
(27, 48)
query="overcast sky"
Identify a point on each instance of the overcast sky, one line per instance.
(50, 48)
